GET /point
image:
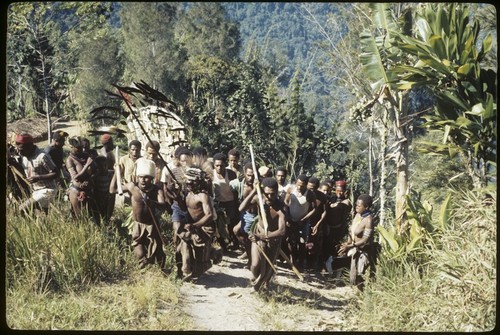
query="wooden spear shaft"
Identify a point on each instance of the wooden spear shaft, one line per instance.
(259, 192)
(118, 173)
(264, 218)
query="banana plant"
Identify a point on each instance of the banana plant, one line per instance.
(421, 228)
(378, 56)
(448, 62)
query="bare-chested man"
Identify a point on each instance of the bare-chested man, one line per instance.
(174, 188)
(196, 235)
(359, 245)
(302, 205)
(247, 216)
(81, 167)
(268, 242)
(146, 199)
(225, 202)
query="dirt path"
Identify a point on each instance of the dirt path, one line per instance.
(222, 299)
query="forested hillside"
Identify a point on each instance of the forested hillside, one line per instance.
(399, 100)
(289, 38)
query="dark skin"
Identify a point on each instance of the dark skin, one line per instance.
(80, 175)
(359, 237)
(145, 198)
(298, 249)
(275, 216)
(79, 172)
(248, 188)
(276, 227)
(249, 206)
(281, 177)
(302, 188)
(320, 206)
(26, 150)
(198, 206)
(233, 163)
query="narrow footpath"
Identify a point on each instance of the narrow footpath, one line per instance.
(222, 299)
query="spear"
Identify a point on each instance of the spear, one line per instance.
(118, 173)
(259, 193)
(264, 220)
(145, 132)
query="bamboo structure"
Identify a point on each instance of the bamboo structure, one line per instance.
(161, 125)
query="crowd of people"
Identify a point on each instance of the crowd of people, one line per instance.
(217, 205)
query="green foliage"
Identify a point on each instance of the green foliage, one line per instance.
(45, 41)
(456, 276)
(409, 241)
(48, 253)
(32, 58)
(99, 58)
(448, 62)
(447, 172)
(152, 54)
(204, 30)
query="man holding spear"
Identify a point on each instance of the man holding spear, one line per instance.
(267, 233)
(146, 198)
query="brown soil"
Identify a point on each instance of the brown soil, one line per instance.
(222, 299)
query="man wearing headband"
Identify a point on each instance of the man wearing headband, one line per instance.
(40, 172)
(196, 235)
(147, 203)
(107, 150)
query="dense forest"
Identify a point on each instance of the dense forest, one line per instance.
(399, 99)
(285, 76)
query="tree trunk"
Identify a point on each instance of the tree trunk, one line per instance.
(370, 168)
(46, 101)
(401, 159)
(383, 169)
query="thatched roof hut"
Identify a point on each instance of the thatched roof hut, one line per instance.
(36, 127)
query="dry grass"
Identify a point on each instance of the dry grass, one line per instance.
(71, 275)
(455, 290)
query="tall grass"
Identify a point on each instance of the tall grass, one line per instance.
(66, 273)
(453, 285)
(56, 252)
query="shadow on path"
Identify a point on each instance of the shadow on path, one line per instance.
(221, 280)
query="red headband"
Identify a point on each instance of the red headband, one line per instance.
(105, 138)
(342, 183)
(24, 138)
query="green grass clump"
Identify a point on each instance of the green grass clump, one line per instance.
(54, 252)
(147, 300)
(70, 274)
(452, 288)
